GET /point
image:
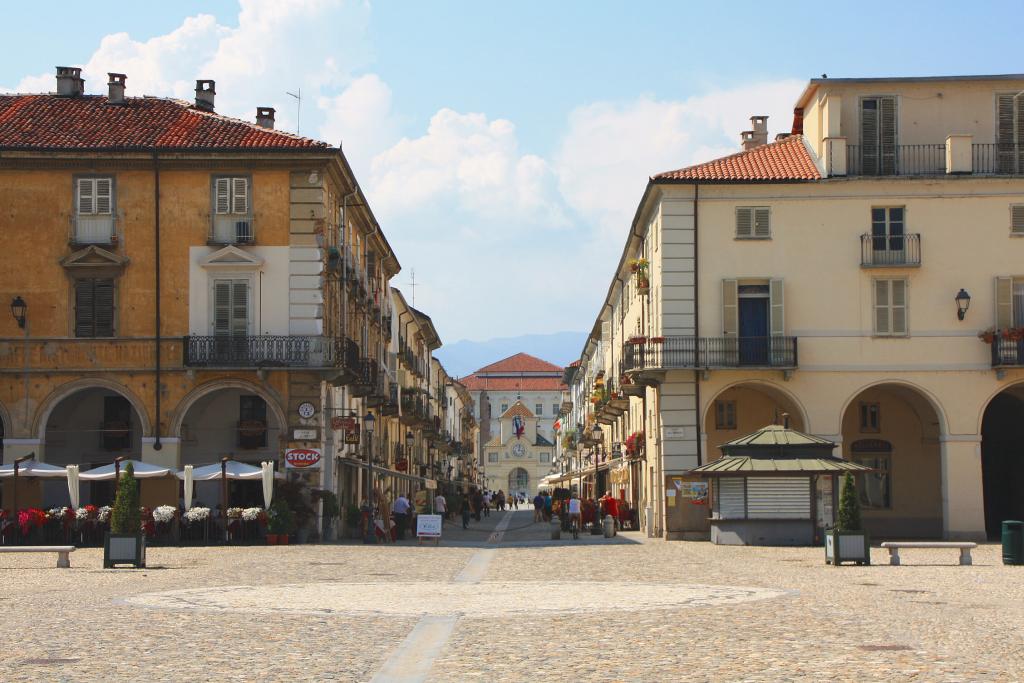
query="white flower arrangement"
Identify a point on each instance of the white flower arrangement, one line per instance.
(251, 514)
(163, 514)
(81, 514)
(194, 515)
(103, 514)
(56, 513)
(234, 513)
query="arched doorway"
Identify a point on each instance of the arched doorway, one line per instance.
(744, 408)
(233, 421)
(894, 429)
(518, 481)
(1002, 459)
(89, 427)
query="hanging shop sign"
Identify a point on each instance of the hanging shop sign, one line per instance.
(303, 458)
(349, 427)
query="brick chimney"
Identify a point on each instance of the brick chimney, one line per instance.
(115, 88)
(205, 93)
(758, 135)
(69, 81)
(265, 117)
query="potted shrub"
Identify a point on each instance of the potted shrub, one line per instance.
(847, 542)
(125, 543)
(280, 521)
(354, 522)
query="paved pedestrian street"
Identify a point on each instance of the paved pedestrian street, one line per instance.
(502, 602)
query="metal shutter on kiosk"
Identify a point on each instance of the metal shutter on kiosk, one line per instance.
(778, 498)
(731, 503)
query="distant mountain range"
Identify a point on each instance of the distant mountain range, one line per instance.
(464, 357)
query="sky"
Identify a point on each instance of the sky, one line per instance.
(503, 147)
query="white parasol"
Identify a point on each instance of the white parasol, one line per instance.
(189, 485)
(72, 474)
(268, 482)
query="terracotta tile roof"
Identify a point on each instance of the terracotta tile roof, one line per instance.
(787, 159)
(520, 362)
(517, 409)
(477, 383)
(49, 122)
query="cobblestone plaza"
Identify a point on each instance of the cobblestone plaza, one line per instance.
(502, 602)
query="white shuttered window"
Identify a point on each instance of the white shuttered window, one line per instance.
(891, 308)
(95, 196)
(231, 308)
(753, 222)
(231, 195)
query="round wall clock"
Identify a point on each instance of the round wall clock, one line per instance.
(518, 450)
(306, 410)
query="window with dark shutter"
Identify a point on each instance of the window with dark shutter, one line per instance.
(94, 307)
(1010, 132)
(878, 136)
(753, 222)
(1017, 219)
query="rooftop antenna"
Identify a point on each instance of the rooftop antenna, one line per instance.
(412, 286)
(298, 109)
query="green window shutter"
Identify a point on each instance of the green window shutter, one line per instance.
(762, 222)
(882, 307)
(1006, 132)
(222, 307)
(103, 303)
(887, 134)
(730, 307)
(898, 304)
(84, 309)
(869, 135)
(222, 195)
(1004, 302)
(1017, 219)
(744, 221)
(104, 188)
(776, 300)
(86, 196)
(240, 195)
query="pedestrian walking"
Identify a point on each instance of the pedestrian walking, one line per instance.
(441, 505)
(401, 512)
(487, 503)
(538, 508)
(466, 511)
(547, 506)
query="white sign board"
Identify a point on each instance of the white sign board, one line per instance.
(305, 435)
(430, 484)
(675, 433)
(428, 526)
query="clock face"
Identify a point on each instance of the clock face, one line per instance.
(518, 450)
(307, 410)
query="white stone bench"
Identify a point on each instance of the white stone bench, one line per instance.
(894, 548)
(63, 552)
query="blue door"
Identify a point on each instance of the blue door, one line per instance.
(753, 330)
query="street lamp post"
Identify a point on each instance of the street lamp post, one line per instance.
(371, 526)
(598, 438)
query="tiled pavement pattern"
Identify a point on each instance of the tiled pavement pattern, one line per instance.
(593, 609)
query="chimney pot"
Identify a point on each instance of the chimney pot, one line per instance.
(115, 88)
(749, 139)
(69, 81)
(760, 125)
(205, 92)
(265, 117)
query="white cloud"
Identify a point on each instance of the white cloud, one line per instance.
(469, 162)
(361, 119)
(610, 149)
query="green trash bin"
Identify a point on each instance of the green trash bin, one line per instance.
(1013, 542)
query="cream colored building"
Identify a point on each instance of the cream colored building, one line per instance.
(518, 455)
(816, 276)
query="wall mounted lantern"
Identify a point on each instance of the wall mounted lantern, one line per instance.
(19, 309)
(963, 302)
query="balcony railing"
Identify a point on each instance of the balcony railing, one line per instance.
(890, 250)
(93, 229)
(711, 352)
(998, 158)
(231, 229)
(1007, 351)
(896, 160)
(262, 351)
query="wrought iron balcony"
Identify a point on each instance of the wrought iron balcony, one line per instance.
(884, 160)
(998, 158)
(710, 352)
(231, 229)
(1008, 348)
(881, 251)
(98, 229)
(263, 351)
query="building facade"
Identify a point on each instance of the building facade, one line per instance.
(517, 456)
(825, 276)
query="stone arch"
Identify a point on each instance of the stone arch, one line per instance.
(1001, 428)
(1012, 388)
(896, 428)
(272, 399)
(518, 480)
(766, 387)
(933, 400)
(65, 390)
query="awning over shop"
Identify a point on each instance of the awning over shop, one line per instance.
(733, 466)
(384, 472)
(31, 468)
(234, 470)
(143, 470)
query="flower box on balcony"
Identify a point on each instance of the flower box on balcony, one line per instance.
(657, 340)
(637, 340)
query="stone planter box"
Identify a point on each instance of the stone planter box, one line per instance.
(847, 546)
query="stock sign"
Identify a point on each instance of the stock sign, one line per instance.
(302, 458)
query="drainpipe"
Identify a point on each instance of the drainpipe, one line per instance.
(156, 271)
(696, 321)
